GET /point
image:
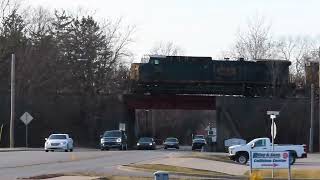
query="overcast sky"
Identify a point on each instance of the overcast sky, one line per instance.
(200, 27)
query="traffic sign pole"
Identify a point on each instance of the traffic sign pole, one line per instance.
(26, 118)
(272, 118)
(27, 136)
(273, 115)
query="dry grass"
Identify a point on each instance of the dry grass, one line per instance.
(178, 170)
(206, 156)
(283, 174)
(123, 178)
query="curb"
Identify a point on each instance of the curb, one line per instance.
(21, 149)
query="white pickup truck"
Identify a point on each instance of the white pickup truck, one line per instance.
(240, 153)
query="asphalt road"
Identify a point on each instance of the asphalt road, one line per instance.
(22, 164)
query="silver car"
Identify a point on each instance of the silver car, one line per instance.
(58, 142)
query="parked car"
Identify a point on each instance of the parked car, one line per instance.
(146, 143)
(113, 139)
(198, 143)
(241, 153)
(171, 143)
(198, 137)
(58, 142)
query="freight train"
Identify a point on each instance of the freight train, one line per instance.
(202, 75)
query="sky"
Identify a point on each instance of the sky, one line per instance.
(199, 27)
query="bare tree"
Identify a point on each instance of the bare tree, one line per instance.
(255, 42)
(167, 49)
(296, 50)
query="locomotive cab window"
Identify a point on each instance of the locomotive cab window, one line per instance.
(156, 61)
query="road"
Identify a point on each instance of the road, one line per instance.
(22, 164)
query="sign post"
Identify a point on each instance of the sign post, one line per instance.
(1, 132)
(26, 118)
(273, 115)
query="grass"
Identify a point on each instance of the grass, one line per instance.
(222, 158)
(283, 174)
(178, 170)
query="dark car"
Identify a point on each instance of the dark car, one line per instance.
(198, 143)
(113, 139)
(146, 143)
(171, 143)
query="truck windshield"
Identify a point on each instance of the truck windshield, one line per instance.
(112, 134)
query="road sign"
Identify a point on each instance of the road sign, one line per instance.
(122, 126)
(26, 118)
(273, 113)
(273, 131)
(270, 160)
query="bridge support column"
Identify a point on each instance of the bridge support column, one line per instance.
(131, 127)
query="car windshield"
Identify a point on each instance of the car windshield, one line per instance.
(58, 137)
(171, 140)
(199, 137)
(112, 134)
(145, 139)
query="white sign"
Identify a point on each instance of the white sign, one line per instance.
(122, 126)
(269, 160)
(275, 130)
(273, 113)
(26, 118)
(207, 128)
(234, 141)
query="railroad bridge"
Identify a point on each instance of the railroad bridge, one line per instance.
(236, 116)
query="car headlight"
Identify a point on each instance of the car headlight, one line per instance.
(138, 144)
(101, 141)
(119, 140)
(63, 143)
(150, 144)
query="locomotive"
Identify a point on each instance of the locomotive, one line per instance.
(203, 75)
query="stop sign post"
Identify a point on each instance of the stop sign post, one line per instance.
(273, 115)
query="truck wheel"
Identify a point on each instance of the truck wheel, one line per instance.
(242, 158)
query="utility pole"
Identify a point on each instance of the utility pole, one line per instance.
(311, 118)
(319, 95)
(12, 115)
